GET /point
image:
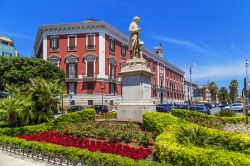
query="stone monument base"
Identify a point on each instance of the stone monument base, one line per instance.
(133, 111)
(136, 91)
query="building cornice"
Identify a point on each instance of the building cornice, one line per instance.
(91, 27)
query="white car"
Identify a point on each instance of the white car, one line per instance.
(234, 107)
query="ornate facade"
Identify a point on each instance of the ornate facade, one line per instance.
(92, 54)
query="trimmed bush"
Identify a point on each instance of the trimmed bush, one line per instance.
(235, 120)
(193, 116)
(76, 153)
(79, 116)
(226, 113)
(157, 121)
(15, 131)
(202, 119)
(169, 150)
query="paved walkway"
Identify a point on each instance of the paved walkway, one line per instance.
(10, 159)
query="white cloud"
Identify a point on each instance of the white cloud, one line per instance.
(219, 72)
(185, 43)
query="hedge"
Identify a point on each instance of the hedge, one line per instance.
(79, 116)
(190, 115)
(76, 153)
(15, 131)
(169, 150)
(156, 121)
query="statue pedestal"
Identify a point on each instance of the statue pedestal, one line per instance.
(136, 91)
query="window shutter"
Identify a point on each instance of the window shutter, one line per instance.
(51, 42)
(67, 70)
(76, 74)
(72, 41)
(57, 42)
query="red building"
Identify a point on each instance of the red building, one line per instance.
(92, 54)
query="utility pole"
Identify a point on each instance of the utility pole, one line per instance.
(190, 66)
(247, 91)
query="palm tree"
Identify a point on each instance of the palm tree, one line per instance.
(213, 88)
(17, 109)
(45, 95)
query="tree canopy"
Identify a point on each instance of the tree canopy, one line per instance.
(223, 95)
(233, 90)
(19, 70)
(213, 88)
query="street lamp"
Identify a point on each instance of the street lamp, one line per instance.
(247, 90)
(190, 66)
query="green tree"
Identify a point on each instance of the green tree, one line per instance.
(213, 88)
(19, 70)
(223, 95)
(17, 110)
(45, 95)
(233, 90)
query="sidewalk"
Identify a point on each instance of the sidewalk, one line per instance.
(10, 159)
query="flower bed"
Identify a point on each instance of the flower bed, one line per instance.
(111, 131)
(91, 145)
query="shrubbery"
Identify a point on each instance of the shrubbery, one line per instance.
(170, 150)
(226, 113)
(183, 143)
(157, 121)
(76, 153)
(79, 116)
(15, 131)
(210, 121)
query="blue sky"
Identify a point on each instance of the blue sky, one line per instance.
(214, 34)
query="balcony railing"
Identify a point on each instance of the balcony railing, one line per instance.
(89, 77)
(90, 47)
(72, 48)
(71, 78)
(54, 49)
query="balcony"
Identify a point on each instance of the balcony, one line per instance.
(89, 77)
(71, 78)
(53, 50)
(7, 50)
(72, 48)
(90, 47)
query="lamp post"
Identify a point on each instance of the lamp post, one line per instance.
(247, 91)
(190, 66)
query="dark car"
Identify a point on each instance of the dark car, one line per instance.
(4, 94)
(202, 109)
(181, 106)
(100, 109)
(208, 105)
(163, 108)
(75, 108)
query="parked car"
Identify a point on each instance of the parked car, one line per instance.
(234, 107)
(100, 108)
(223, 105)
(75, 108)
(202, 109)
(163, 108)
(181, 106)
(4, 94)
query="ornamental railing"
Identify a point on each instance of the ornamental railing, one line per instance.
(42, 156)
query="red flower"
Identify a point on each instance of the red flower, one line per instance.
(92, 145)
